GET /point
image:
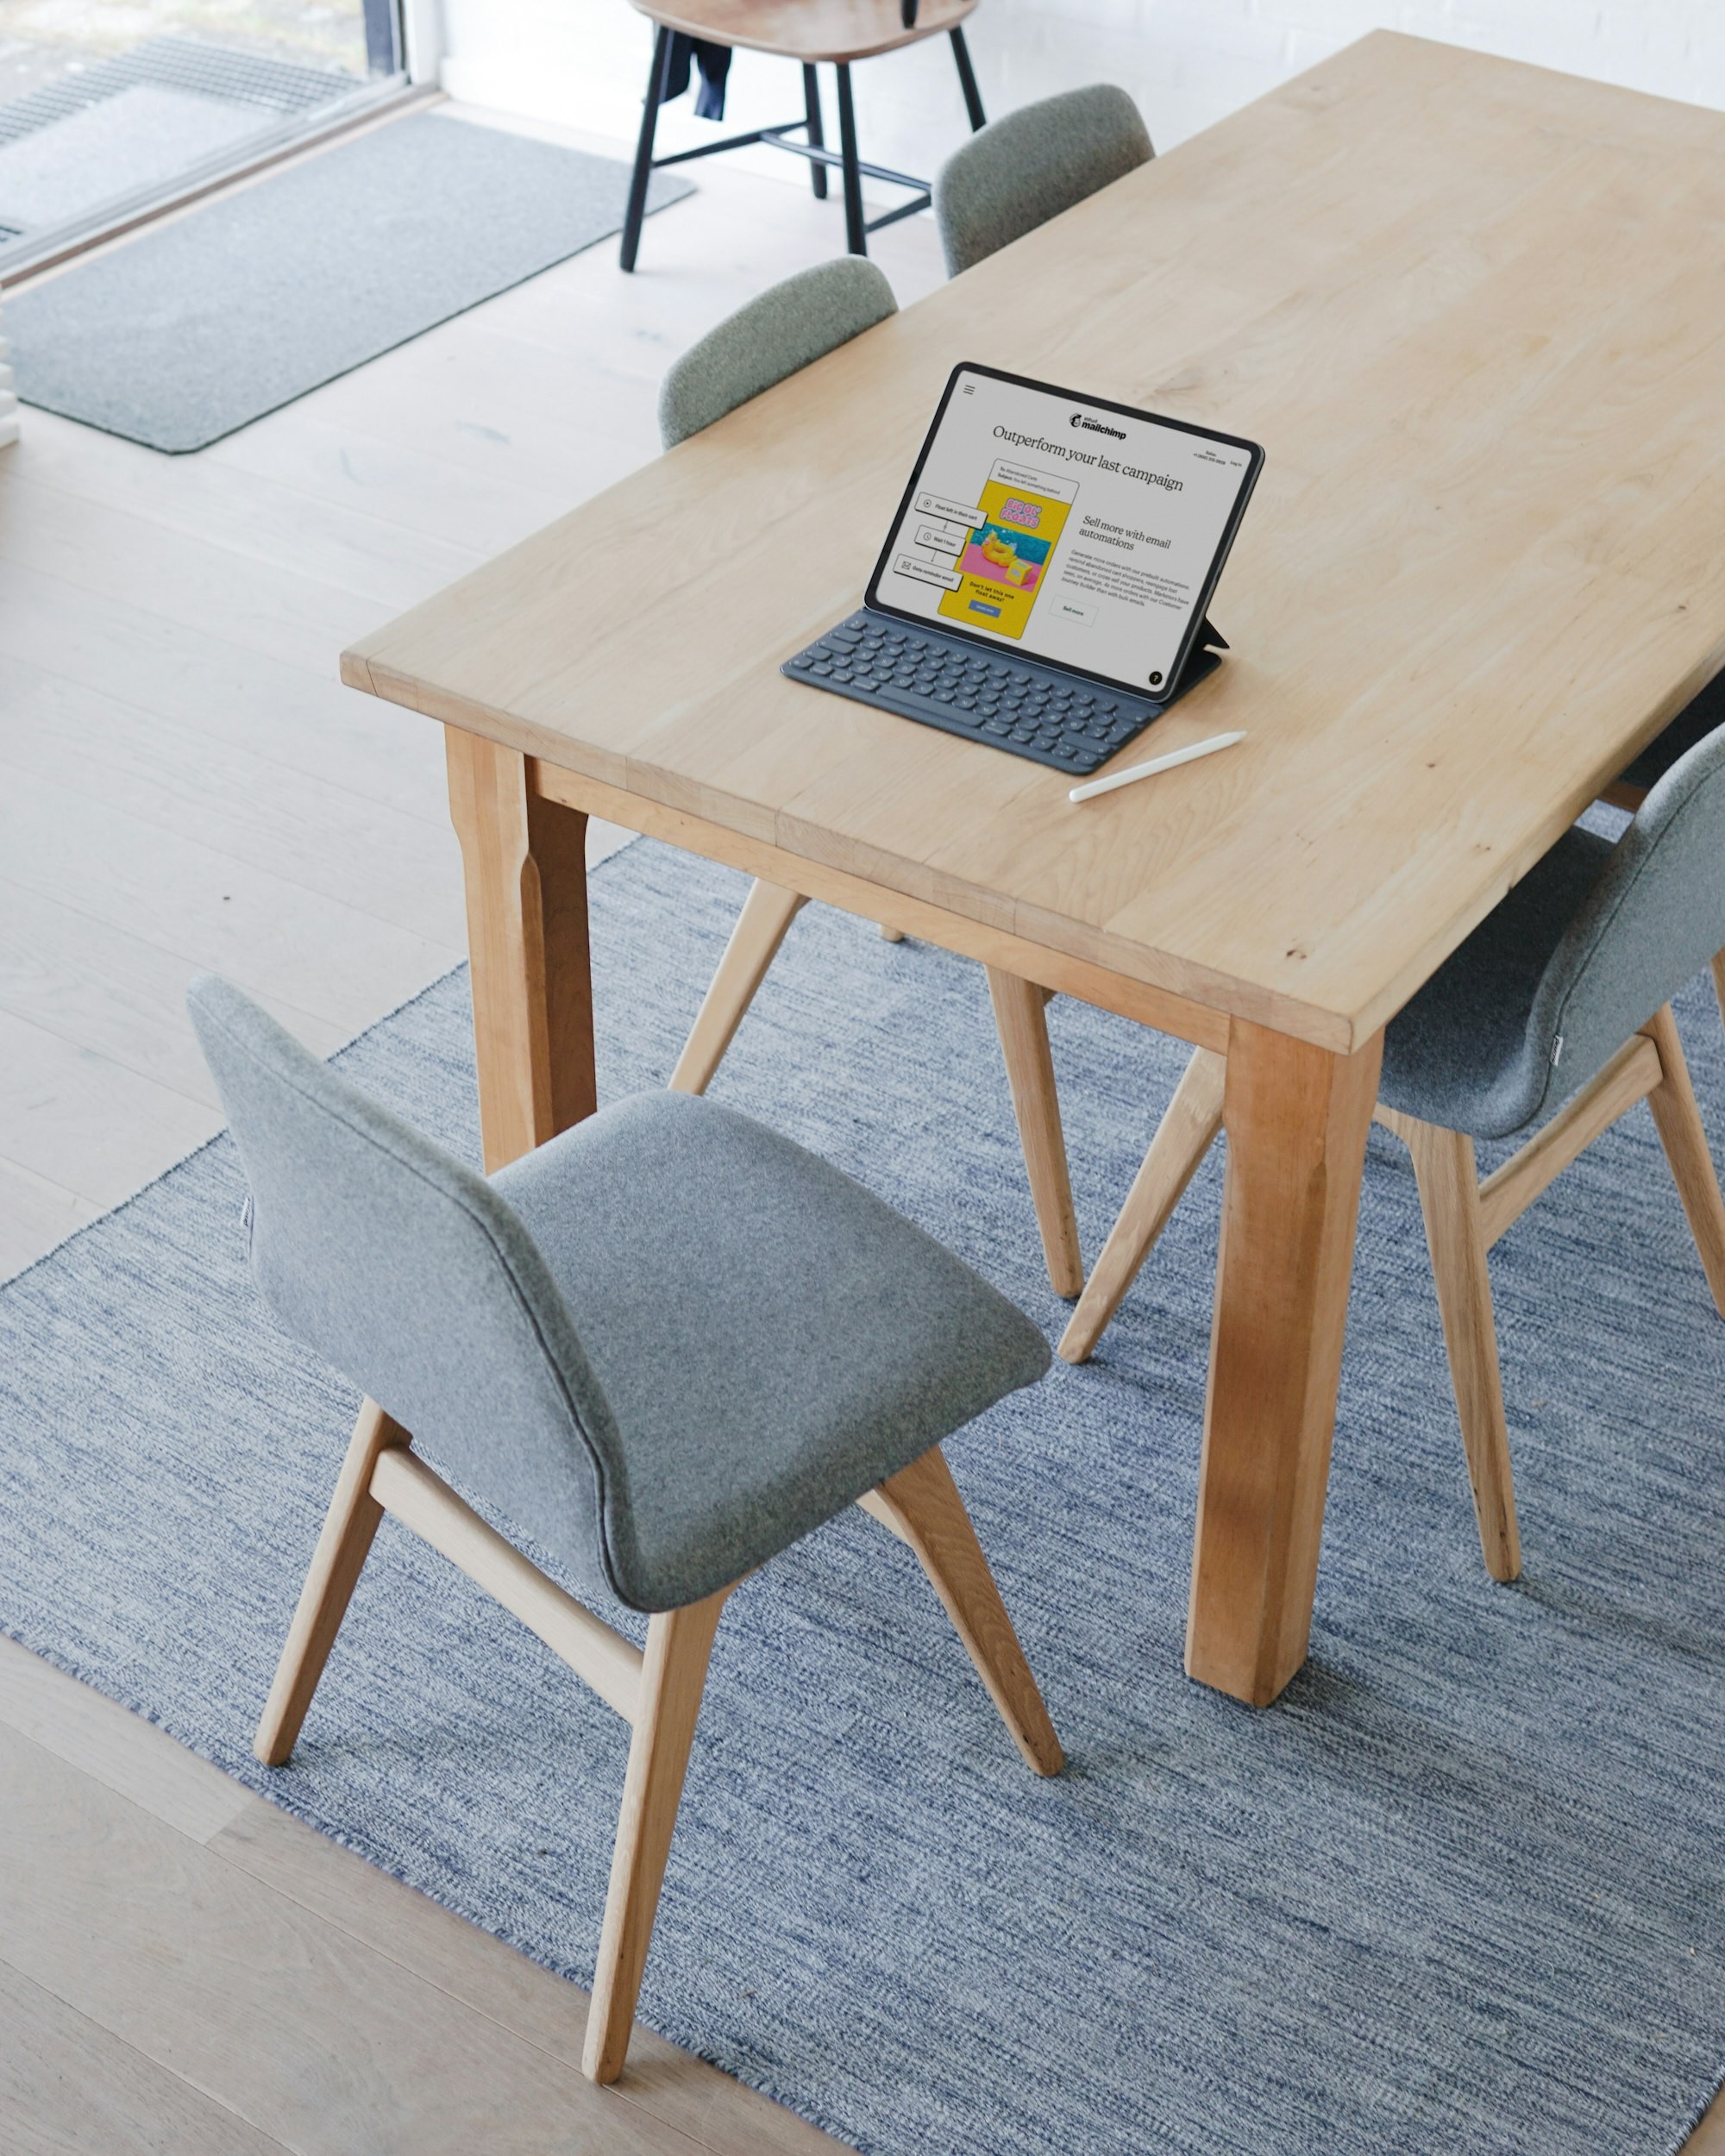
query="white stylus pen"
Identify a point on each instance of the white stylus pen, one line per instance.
(1156, 763)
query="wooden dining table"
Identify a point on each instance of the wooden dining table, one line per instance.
(1475, 312)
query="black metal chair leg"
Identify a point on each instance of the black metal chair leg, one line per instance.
(967, 82)
(855, 239)
(643, 152)
(817, 137)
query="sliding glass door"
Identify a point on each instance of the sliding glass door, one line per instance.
(111, 109)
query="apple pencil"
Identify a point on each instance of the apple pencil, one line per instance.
(1156, 763)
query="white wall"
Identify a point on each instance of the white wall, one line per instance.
(1188, 62)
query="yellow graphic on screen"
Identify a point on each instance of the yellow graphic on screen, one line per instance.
(1004, 563)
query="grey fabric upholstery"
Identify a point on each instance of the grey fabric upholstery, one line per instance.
(1704, 715)
(1458, 1053)
(760, 1340)
(1582, 952)
(789, 327)
(774, 1339)
(1018, 172)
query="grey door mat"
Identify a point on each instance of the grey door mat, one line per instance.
(203, 325)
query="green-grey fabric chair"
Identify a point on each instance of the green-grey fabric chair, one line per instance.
(776, 335)
(1019, 172)
(665, 1346)
(786, 329)
(1548, 1024)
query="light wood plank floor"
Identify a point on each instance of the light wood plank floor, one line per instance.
(184, 1968)
(184, 784)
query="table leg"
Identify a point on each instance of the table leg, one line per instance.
(525, 865)
(1296, 1118)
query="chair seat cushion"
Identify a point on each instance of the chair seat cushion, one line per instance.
(807, 31)
(1461, 1053)
(1704, 715)
(772, 1338)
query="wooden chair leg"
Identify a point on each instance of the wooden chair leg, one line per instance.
(1449, 1197)
(1677, 1119)
(1719, 982)
(1020, 1014)
(921, 1505)
(342, 1547)
(1185, 1134)
(672, 1678)
(768, 913)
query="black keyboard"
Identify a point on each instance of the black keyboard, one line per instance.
(1030, 710)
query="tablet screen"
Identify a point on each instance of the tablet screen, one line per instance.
(1081, 532)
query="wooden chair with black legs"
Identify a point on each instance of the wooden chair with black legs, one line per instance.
(1548, 1024)
(665, 1346)
(814, 33)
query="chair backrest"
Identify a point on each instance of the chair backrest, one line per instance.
(1651, 922)
(1018, 172)
(786, 328)
(408, 1273)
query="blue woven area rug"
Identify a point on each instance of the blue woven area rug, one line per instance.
(1459, 1891)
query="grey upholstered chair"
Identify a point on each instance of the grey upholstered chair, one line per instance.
(665, 1345)
(788, 328)
(784, 330)
(1018, 172)
(1549, 1023)
(1702, 716)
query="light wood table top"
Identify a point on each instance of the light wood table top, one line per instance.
(1471, 310)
